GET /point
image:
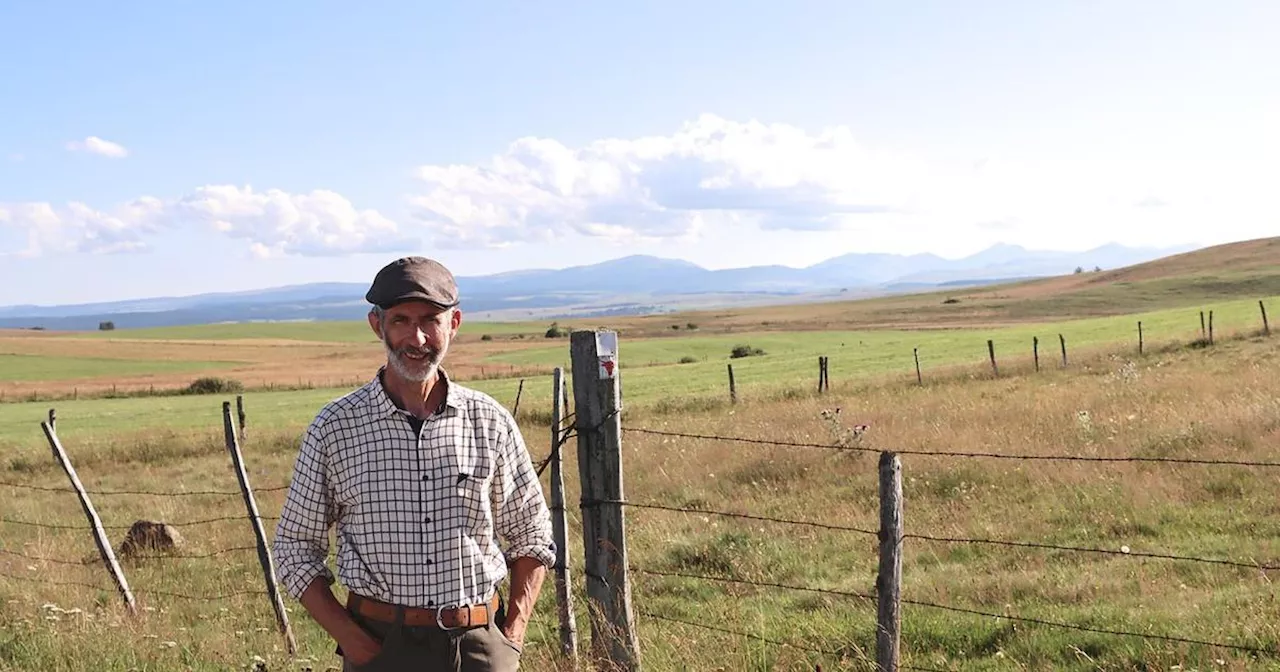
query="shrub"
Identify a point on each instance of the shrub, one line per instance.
(745, 351)
(952, 300)
(486, 337)
(675, 327)
(691, 326)
(687, 359)
(106, 326)
(211, 385)
(557, 331)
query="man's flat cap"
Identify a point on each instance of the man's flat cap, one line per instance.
(413, 278)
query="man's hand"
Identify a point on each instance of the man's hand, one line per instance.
(358, 646)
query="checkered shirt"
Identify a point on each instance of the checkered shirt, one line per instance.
(417, 514)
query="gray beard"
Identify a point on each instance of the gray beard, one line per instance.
(411, 370)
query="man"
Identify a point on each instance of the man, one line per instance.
(420, 475)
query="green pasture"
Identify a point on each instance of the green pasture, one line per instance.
(652, 377)
(347, 331)
(35, 367)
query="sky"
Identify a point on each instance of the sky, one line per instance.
(160, 149)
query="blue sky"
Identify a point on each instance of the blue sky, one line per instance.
(149, 148)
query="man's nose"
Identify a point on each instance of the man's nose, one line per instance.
(419, 337)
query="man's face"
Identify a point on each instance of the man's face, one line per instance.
(416, 335)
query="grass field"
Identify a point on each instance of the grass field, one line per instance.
(1214, 403)
(1181, 399)
(33, 367)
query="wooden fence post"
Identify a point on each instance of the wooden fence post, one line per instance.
(559, 524)
(1211, 327)
(733, 391)
(1266, 326)
(240, 414)
(1062, 339)
(915, 352)
(95, 523)
(1035, 351)
(1204, 335)
(515, 408)
(53, 420)
(991, 350)
(251, 507)
(889, 579)
(1139, 337)
(822, 374)
(597, 403)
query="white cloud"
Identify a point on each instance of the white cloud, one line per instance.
(275, 223)
(96, 145)
(772, 175)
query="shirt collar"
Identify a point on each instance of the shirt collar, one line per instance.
(382, 405)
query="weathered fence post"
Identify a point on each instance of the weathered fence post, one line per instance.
(991, 350)
(823, 380)
(1211, 327)
(915, 352)
(264, 551)
(559, 524)
(733, 390)
(1139, 337)
(240, 414)
(95, 524)
(1266, 326)
(53, 420)
(515, 408)
(889, 579)
(1063, 340)
(597, 403)
(1035, 351)
(1204, 335)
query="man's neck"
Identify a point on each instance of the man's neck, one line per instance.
(420, 399)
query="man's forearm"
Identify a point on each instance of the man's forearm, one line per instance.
(527, 575)
(327, 611)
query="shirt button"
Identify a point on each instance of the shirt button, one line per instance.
(427, 519)
(426, 477)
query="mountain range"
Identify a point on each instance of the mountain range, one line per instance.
(629, 285)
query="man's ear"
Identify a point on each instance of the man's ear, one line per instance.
(375, 324)
(455, 320)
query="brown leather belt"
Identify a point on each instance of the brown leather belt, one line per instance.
(446, 617)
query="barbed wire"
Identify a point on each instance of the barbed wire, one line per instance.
(943, 453)
(728, 514)
(1084, 549)
(189, 523)
(200, 598)
(50, 582)
(568, 433)
(152, 493)
(965, 610)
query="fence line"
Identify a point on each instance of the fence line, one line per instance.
(727, 514)
(1103, 551)
(945, 453)
(156, 493)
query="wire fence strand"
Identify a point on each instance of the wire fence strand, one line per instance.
(145, 493)
(728, 514)
(1085, 549)
(945, 453)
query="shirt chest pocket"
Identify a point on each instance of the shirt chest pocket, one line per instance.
(471, 502)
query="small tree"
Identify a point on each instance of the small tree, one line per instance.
(1079, 270)
(106, 326)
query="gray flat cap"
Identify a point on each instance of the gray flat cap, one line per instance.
(413, 278)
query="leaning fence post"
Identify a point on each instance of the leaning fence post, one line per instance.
(915, 352)
(264, 551)
(559, 524)
(1063, 340)
(597, 403)
(1035, 351)
(53, 420)
(1211, 327)
(1139, 337)
(95, 523)
(1266, 326)
(991, 350)
(889, 579)
(1204, 335)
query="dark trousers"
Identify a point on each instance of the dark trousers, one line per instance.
(407, 648)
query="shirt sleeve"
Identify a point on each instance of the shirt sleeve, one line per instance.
(302, 533)
(522, 517)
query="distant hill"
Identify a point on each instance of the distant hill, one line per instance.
(620, 286)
